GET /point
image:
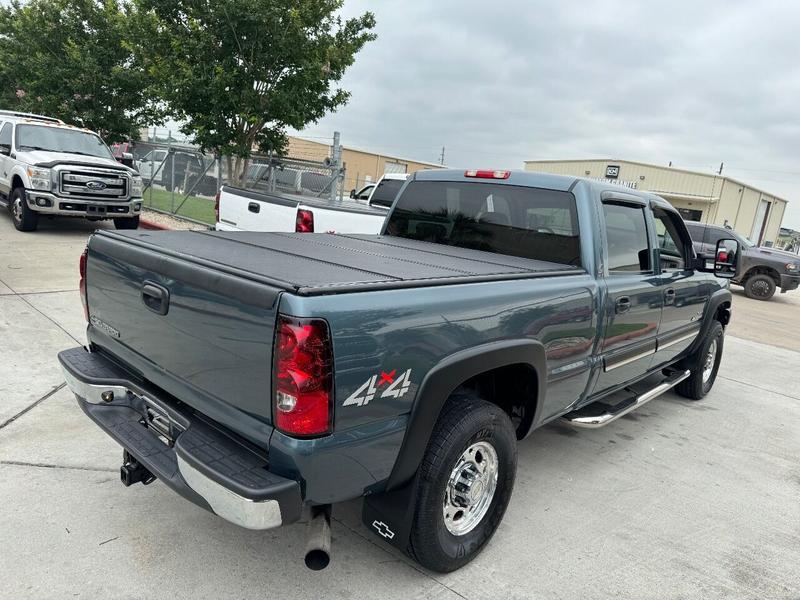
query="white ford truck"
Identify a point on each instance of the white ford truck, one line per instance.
(50, 168)
(250, 210)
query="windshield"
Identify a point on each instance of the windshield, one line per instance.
(386, 191)
(56, 139)
(517, 221)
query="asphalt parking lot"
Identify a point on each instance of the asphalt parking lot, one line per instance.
(677, 500)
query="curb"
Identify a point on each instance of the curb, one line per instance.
(145, 224)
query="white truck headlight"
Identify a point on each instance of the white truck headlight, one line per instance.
(40, 178)
(136, 186)
(793, 267)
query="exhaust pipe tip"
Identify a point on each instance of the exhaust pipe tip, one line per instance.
(317, 559)
(318, 548)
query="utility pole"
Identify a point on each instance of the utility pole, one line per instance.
(336, 171)
(441, 158)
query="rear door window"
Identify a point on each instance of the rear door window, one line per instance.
(504, 219)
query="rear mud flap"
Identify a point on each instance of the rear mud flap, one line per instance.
(390, 515)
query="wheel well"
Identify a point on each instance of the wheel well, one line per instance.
(16, 182)
(763, 271)
(514, 388)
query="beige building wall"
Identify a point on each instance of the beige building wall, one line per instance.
(361, 166)
(720, 199)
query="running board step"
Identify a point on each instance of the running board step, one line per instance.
(599, 414)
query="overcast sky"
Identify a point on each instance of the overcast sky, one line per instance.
(695, 83)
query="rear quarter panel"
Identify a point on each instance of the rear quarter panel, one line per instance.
(344, 221)
(397, 331)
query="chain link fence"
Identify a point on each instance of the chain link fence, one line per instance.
(183, 181)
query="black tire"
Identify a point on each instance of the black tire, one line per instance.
(127, 222)
(465, 421)
(23, 217)
(696, 387)
(760, 287)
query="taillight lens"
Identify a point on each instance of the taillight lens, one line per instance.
(723, 256)
(303, 377)
(216, 207)
(305, 221)
(82, 283)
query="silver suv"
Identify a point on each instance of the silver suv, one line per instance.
(50, 168)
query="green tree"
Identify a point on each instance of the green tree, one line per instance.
(240, 71)
(72, 59)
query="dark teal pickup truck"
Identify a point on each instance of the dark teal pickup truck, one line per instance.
(267, 376)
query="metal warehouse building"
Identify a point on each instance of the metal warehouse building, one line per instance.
(361, 166)
(705, 197)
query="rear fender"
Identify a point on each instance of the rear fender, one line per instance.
(444, 379)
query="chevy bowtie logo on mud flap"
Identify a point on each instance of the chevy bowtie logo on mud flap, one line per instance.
(397, 388)
(383, 529)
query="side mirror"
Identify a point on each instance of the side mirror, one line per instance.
(723, 263)
(726, 258)
(5, 149)
(352, 193)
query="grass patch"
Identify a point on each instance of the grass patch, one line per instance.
(195, 207)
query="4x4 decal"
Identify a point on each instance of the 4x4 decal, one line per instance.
(397, 387)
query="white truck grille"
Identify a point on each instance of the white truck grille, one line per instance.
(93, 184)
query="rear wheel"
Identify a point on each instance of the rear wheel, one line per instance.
(704, 365)
(127, 222)
(760, 287)
(466, 480)
(24, 218)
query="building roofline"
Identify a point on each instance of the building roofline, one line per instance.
(651, 165)
(383, 154)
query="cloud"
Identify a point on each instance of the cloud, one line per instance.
(498, 83)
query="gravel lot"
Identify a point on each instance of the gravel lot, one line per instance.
(676, 500)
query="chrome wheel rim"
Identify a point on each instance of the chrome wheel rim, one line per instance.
(16, 209)
(470, 488)
(711, 357)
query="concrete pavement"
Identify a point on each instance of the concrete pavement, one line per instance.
(677, 500)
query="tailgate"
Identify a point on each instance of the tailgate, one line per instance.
(203, 335)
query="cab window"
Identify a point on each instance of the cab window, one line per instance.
(671, 246)
(5, 135)
(626, 234)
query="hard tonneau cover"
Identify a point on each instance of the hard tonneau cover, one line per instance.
(315, 264)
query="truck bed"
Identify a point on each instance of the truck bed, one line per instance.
(315, 264)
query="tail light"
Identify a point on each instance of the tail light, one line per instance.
(303, 377)
(216, 207)
(722, 256)
(486, 174)
(305, 221)
(82, 283)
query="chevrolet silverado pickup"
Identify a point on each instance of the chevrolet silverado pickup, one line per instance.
(268, 376)
(49, 168)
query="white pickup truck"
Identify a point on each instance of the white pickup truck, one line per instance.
(49, 168)
(249, 210)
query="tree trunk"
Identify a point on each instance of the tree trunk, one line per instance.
(239, 172)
